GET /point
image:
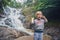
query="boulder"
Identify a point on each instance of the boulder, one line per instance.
(9, 34)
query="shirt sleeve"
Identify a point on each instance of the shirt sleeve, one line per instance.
(45, 21)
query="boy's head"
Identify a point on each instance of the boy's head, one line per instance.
(39, 14)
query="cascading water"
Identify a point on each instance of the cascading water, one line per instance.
(13, 19)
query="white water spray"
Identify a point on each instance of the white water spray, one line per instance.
(21, 1)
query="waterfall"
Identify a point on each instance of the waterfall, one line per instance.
(14, 19)
(21, 1)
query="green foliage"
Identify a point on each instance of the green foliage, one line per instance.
(41, 4)
(4, 3)
(34, 5)
(10, 3)
(14, 4)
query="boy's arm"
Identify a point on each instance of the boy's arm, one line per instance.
(45, 19)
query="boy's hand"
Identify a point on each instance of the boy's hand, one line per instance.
(43, 17)
(32, 20)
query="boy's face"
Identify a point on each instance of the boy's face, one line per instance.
(39, 15)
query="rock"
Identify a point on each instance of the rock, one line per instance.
(25, 38)
(9, 34)
(12, 34)
(46, 37)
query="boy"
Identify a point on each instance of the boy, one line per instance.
(39, 25)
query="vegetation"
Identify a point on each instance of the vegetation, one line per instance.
(11, 3)
(31, 6)
(41, 4)
(44, 5)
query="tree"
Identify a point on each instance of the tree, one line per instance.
(11, 3)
